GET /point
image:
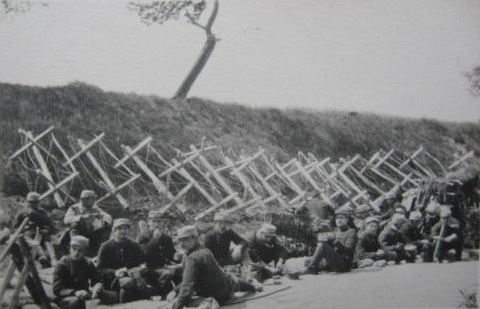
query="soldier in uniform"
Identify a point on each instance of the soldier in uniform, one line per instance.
(336, 251)
(369, 251)
(446, 234)
(75, 278)
(37, 216)
(392, 241)
(264, 247)
(218, 241)
(159, 252)
(87, 219)
(118, 261)
(203, 275)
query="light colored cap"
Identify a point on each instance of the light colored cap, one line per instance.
(415, 215)
(399, 209)
(187, 231)
(372, 219)
(268, 229)
(445, 212)
(157, 214)
(221, 216)
(33, 197)
(80, 241)
(87, 194)
(121, 221)
(343, 210)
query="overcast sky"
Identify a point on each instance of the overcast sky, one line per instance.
(398, 57)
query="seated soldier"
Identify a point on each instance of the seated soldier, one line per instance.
(37, 217)
(202, 274)
(87, 219)
(75, 279)
(336, 250)
(264, 247)
(361, 213)
(393, 242)
(32, 239)
(369, 251)
(412, 233)
(445, 234)
(159, 252)
(118, 261)
(218, 241)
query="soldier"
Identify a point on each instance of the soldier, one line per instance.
(37, 216)
(412, 233)
(118, 261)
(337, 249)
(393, 242)
(159, 252)
(203, 275)
(369, 251)
(446, 234)
(87, 219)
(264, 247)
(75, 278)
(218, 241)
(361, 213)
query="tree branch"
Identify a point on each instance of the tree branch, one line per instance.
(194, 22)
(211, 19)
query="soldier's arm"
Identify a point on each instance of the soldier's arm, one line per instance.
(71, 217)
(60, 278)
(237, 239)
(361, 250)
(385, 241)
(106, 218)
(190, 277)
(104, 263)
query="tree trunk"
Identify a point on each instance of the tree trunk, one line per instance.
(202, 59)
(197, 68)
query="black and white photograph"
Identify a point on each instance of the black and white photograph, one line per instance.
(169, 154)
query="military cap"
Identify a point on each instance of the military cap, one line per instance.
(363, 209)
(187, 231)
(372, 219)
(222, 216)
(157, 214)
(121, 221)
(399, 209)
(343, 210)
(33, 197)
(268, 229)
(87, 194)
(78, 240)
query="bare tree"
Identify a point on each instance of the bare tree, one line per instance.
(159, 12)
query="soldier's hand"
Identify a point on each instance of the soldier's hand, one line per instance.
(237, 253)
(380, 253)
(171, 296)
(96, 290)
(120, 273)
(82, 294)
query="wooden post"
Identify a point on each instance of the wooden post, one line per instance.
(25, 250)
(471, 154)
(217, 176)
(43, 165)
(103, 174)
(312, 182)
(31, 142)
(7, 279)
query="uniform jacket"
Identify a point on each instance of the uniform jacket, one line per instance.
(37, 217)
(367, 246)
(114, 255)
(389, 238)
(71, 275)
(203, 275)
(99, 219)
(158, 251)
(219, 244)
(265, 252)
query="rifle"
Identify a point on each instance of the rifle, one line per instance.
(437, 245)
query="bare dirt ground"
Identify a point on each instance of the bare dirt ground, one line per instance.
(424, 285)
(399, 286)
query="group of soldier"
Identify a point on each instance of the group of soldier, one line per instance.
(105, 264)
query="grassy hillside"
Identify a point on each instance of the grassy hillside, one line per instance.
(82, 110)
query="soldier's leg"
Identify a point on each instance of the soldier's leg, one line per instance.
(71, 302)
(335, 261)
(317, 256)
